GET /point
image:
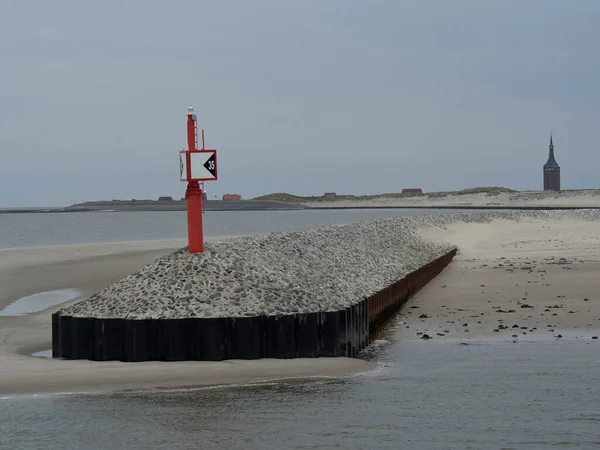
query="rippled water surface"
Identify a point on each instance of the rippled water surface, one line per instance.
(427, 395)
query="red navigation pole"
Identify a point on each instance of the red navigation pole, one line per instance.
(193, 194)
(196, 165)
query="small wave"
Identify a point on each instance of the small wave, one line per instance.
(382, 368)
(561, 444)
(584, 418)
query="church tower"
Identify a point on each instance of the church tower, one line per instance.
(551, 171)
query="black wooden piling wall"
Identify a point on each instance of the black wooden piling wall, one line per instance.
(321, 334)
(384, 304)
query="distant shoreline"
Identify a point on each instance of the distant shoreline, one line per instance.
(469, 199)
(162, 206)
(313, 208)
(257, 208)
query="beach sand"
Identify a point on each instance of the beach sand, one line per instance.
(89, 268)
(535, 279)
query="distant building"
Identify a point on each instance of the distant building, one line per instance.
(231, 197)
(165, 199)
(412, 191)
(551, 171)
(329, 194)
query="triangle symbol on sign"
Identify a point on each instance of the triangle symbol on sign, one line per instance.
(210, 165)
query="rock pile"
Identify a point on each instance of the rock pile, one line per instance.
(323, 269)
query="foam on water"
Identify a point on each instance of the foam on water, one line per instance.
(38, 302)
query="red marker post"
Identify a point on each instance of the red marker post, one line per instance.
(196, 165)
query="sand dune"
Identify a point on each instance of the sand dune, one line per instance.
(532, 199)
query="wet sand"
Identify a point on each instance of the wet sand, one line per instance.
(89, 268)
(530, 280)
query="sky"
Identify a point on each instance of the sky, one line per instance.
(306, 97)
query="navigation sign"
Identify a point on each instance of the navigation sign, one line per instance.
(203, 165)
(210, 165)
(183, 165)
(195, 167)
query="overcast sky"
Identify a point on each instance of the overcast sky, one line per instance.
(302, 96)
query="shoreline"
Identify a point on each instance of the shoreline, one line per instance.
(477, 198)
(99, 248)
(70, 377)
(312, 207)
(160, 206)
(193, 387)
